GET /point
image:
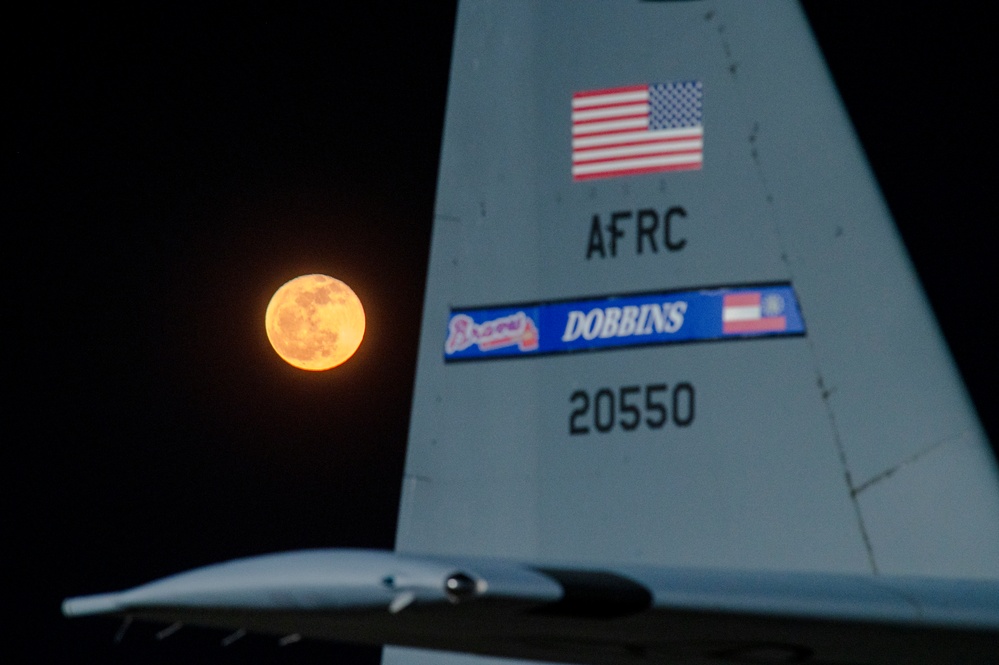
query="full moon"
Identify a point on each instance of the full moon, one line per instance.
(315, 322)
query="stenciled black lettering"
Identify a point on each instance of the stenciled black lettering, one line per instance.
(605, 396)
(632, 409)
(614, 231)
(687, 416)
(654, 406)
(644, 231)
(574, 426)
(621, 408)
(596, 243)
(671, 244)
(603, 239)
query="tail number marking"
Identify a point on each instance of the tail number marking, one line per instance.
(607, 409)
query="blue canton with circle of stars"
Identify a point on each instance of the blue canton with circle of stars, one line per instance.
(675, 105)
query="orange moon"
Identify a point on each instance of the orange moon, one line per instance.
(315, 322)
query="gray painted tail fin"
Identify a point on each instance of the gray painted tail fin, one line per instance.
(669, 320)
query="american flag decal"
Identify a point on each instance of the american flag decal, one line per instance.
(637, 129)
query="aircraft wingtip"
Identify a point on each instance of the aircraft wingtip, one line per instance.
(102, 603)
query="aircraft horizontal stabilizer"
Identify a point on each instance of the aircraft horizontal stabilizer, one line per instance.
(576, 614)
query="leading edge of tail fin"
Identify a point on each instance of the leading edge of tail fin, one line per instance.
(687, 330)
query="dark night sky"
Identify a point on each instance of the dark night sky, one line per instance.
(169, 168)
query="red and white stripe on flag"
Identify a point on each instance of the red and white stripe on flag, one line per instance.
(743, 313)
(612, 136)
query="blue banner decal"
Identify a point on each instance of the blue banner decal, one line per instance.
(737, 312)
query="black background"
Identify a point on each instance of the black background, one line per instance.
(169, 167)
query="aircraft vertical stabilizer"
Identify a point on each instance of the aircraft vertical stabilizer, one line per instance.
(669, 320)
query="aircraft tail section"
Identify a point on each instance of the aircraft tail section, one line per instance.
(679, 395)
(669, 320)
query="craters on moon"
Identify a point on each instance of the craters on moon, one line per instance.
(315, 322)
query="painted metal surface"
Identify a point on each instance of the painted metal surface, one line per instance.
(802, 452)
(849, 449)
